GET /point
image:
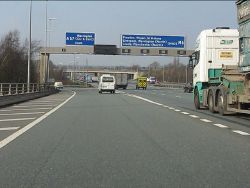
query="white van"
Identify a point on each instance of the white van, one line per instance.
(106, 83)
(58, 85)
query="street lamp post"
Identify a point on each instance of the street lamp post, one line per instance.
(50, 27)
(29, 51)
(74, 68)
(163, 72)
(86, 72)
(186, 74)
(50, 19)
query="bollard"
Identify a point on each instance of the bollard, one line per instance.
(33, 89)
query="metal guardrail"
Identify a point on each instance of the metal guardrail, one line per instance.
(7, 89)
(171, 85)
(13, 93)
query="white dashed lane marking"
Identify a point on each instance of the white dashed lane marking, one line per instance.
(8, 128)
(194, 116)
(241, 132)
(206, 120)
(220, 125)
(186, 113)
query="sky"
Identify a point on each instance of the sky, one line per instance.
(109, 19)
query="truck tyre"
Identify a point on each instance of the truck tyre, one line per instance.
(222, 103)
(196, 100)
(211, 102)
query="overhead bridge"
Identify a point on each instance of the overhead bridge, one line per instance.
(70, 73)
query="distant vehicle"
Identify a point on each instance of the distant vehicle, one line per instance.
(58, 85)
(121, 80)
(152, 80)
(188, 88)
(94, 79)
(106, 83)
(141, 83)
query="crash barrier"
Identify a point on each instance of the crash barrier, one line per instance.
(171, 85)
(12, 93)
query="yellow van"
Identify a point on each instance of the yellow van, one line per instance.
(141, 83)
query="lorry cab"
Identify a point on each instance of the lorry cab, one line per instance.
(106, 83)
(214, 49)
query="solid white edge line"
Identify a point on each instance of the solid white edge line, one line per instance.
(241, 132)
(12, 137)
(220, 125)
(8, 128)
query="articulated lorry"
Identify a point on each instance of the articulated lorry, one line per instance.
(221, 66)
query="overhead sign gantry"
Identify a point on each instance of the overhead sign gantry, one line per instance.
(133, 45)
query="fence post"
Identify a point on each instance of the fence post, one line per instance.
(37, 87)
(23, 89)
(9, 89)
(16, 89)
(1, 90)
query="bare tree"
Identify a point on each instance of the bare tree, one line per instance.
(14, 57)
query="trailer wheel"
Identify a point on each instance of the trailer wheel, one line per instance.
(196, 100)
(211, 102)
(222, 103)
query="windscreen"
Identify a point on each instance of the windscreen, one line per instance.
(107, 79)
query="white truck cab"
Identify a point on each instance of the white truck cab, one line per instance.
(214, 48)
(106, 83)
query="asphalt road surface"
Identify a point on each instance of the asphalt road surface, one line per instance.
(134, 138)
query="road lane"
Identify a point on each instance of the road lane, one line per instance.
(113, 140)
(185, 103)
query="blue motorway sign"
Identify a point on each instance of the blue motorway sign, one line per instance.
(87, 39)
(152, 41)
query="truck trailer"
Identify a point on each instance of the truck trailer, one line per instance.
(221, 66)
(121, 80)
